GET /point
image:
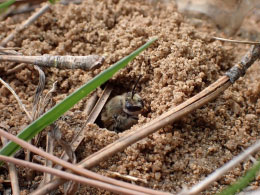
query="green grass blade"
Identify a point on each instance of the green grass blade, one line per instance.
(5, 5)
(53, 114)
(53, 1)
(242, 182)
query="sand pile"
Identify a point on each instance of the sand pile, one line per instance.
(179, 65)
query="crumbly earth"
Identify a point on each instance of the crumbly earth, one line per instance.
(182, 62)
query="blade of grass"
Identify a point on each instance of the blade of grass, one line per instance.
(53, 1)
(53, 114)
(5, 5)
(242, 182)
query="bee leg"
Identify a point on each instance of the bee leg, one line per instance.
(116, 124)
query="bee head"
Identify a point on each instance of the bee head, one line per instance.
(133, 103)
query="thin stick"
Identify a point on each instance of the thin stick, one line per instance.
(90, 103)
(236, 41)
(76, 169)
(72, 62)
(25, 24)
(48, 163)
(70, 176)
(172, 115)
(127, 177)
(13, 174)
(17, 98)
(4, 51)
(221, 171)
(99, 105)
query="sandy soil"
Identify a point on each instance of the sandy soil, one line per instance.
(179, 65)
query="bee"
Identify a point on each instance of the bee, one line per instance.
(121, 112)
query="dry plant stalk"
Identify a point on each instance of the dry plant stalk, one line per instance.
(13, 173)
(77, 169)
(70, 176)
(90, 103)
(25, 24)
(8, 51)
(127, 177)
(236, 41)
(48, 163)
(208, 94)
(72, 62)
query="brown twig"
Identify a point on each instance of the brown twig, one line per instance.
(236, 41)
(4, 51)
(48, 163)
(171, 116)
(82, 62)
(13, 174)
(76, 169)
(15, 69)
(25, 24)
(99, 105)
(127, 177)
(90, 103)
(70, 176)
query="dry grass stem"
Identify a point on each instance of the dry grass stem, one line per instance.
(4, 51)
(8, 49)
(90, 103)
(38, 93)
(70, 176)
(15, 69)
(76, 169)
(127, 177)
(17, 98)
(71, 62)
(25, 24)
(48, 163)
(99, 105)
(236, 41)
(13, 174)
(221, 171)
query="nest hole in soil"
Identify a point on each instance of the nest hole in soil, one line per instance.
(119, 88)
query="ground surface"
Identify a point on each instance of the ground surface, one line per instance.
(179, 65)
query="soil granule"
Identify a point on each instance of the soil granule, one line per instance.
(183, 61)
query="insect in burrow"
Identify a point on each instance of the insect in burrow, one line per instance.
(121, 112)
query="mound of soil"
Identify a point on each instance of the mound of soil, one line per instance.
(183, 61)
